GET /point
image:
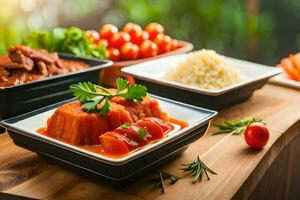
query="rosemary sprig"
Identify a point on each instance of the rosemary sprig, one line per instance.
(236, 127)
(96, 98)
(162, 182)
(197, 168)
(165, 176)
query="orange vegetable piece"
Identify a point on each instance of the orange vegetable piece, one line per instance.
(164, 125)
(296, 61)
(71, 124)
(153, 129)
(114, 143)
(287, 65)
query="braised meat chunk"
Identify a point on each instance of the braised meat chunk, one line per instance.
(18, 58)
(22, 61)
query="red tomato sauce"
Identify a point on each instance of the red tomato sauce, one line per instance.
(98, 149)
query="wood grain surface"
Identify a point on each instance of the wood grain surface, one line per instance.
(239, 168)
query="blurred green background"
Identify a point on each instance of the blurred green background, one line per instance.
(260, 31)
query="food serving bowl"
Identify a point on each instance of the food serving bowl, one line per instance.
(16, 100)
(108, 76)
(22, 130)
(152, 73)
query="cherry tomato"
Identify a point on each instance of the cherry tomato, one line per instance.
(103, 42)
(129, 51)
(163, 42)
(154, 29)
(140, 38)
(256, 135)
(132, 29)
(148, 49)
(113, 54)
(92, 35)
(118, 39)
(175, 44)
(107, 31)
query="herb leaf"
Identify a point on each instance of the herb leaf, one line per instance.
(105, 109)
(162, 182)
(159, 181)
(172, 178)
(84, 91)
(91, 105)
(236, 127)
(135, 92)
(91, 95)
(122, 84)
(142, 133)
(125, 125)
(197, 168)
(69, 40)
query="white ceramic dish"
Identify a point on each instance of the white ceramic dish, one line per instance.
(282, 80)
(153, 71)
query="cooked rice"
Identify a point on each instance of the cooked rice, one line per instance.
(204, 69)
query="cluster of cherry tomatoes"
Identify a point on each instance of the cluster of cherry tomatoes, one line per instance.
(132, 42)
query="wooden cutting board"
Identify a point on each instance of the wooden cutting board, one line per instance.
(239, 168)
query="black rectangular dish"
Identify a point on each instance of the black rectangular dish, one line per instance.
(212, 102)
(23, 98)
(120, 170)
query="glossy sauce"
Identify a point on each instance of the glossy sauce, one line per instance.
(99, 150)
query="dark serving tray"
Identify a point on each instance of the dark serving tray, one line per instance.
(116, 171)
(212, 102)
(23, 98)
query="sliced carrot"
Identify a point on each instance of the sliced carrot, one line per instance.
(287, 65)
(164, 125)
(132, 133)
(152, 128)
(296, 61)
(112, 143)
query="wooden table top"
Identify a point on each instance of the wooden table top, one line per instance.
(239, 168)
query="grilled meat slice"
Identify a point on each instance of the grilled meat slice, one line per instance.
(4, 74)
(18, 57)
(36, 55)
(14, 65)
(42, 68)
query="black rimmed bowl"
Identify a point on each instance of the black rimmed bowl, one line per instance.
(23, 98)
(22, 130)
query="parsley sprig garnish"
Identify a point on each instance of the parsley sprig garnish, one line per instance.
(197, 168)
(94, 97)
(236, 127)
